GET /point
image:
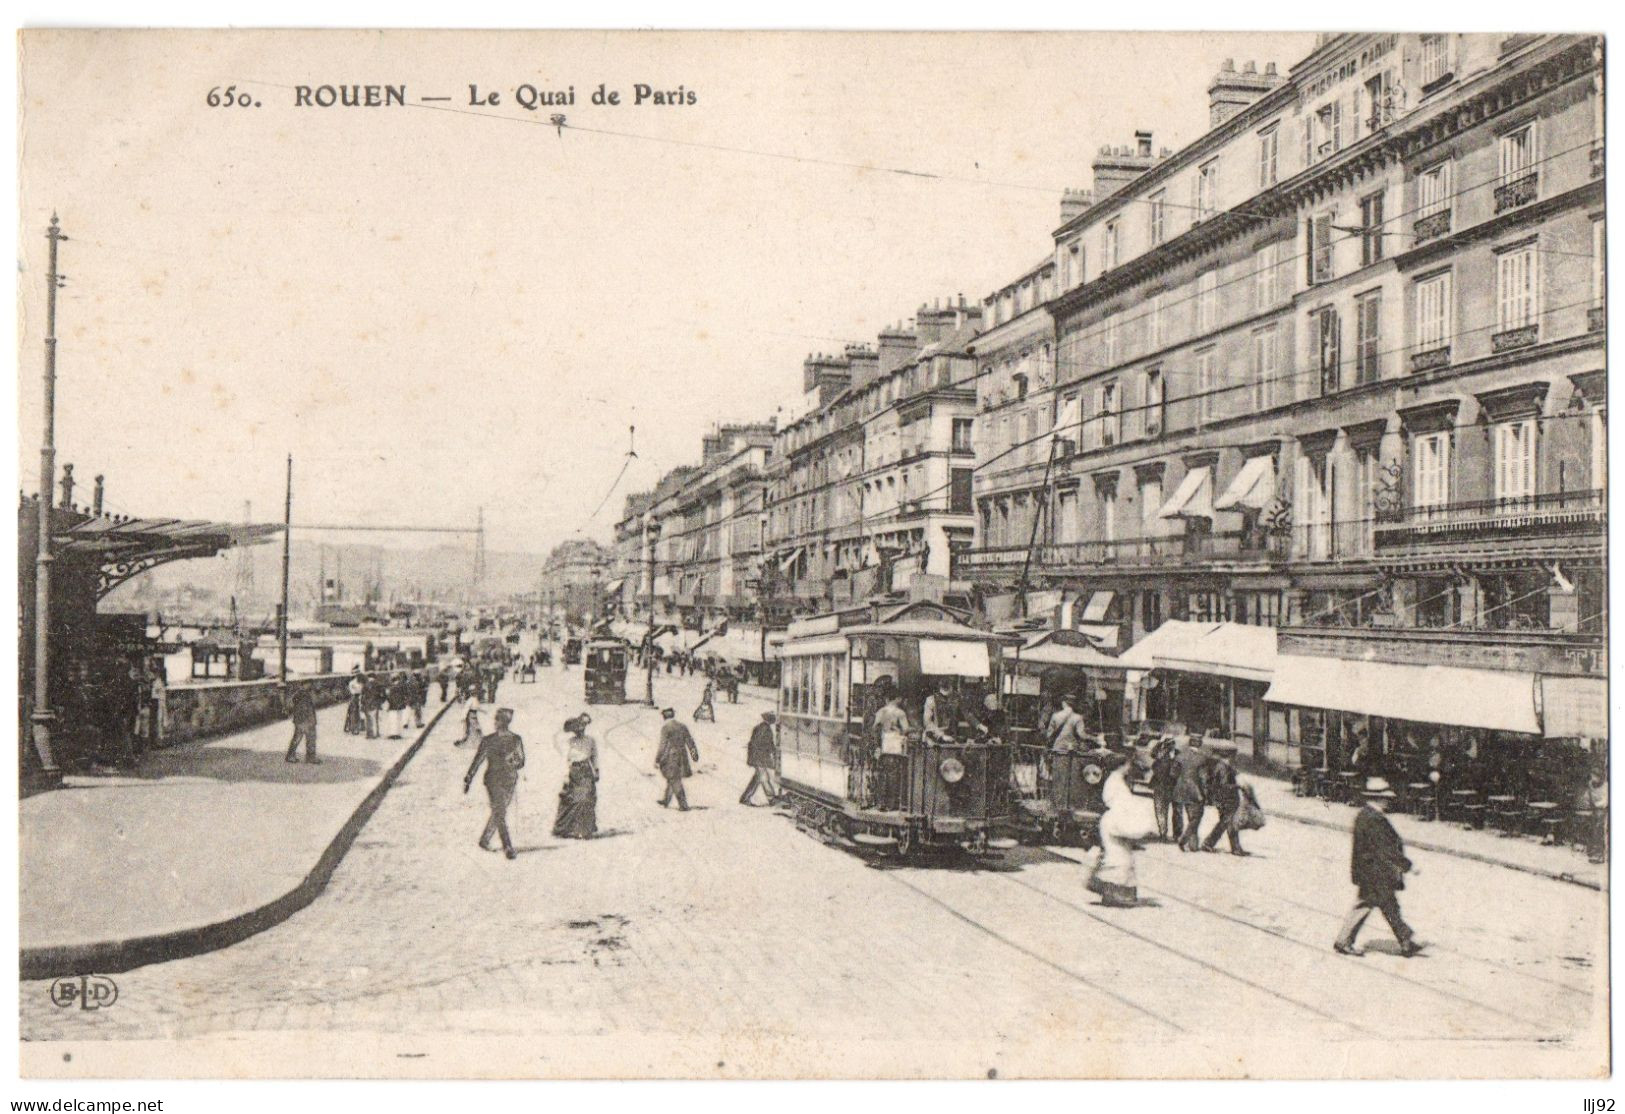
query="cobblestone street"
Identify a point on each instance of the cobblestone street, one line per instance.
(727, 929)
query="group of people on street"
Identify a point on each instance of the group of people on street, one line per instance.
(380, 705)
(1189, 778)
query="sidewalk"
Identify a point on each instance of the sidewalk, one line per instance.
(1562, 863)
(203, 845)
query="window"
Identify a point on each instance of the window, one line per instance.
(1433, 190)
(1207, 300)
(1264, 372)
(1077, 257)
(1159, 205)
(1515, 460)
(1328, 130)
(1368, 337)
(1108, 512)
(1599, 448)
(1599, 262)
(1206, 383)
(1371, 222)
(1150, 504)
(1207, 189)
(1110, 340)
(1517, 153)
(962, 438)
(1269, 151)
(1435, 59)
(1111, 246)
(1155, 332)
(1378, 99)
(1430, 464)
(1367, 477)
(1153, 402)
(1315, 490)
(1267, 275)
(959, 491)
(1110, 418)
(1433, 313)
(1327, 333)
(1516, 289)
(1320, 248)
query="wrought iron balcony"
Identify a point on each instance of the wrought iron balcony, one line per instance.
(1432, 226)
(1510, 339)
(1431, 359)
(1332, 541)
(1250, 546)
(1520, 191)
(1561, 512)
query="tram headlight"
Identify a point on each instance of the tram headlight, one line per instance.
(952, 770)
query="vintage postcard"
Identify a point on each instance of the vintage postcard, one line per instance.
(558, 555)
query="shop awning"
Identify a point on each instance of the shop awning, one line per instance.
(1492, 699)
(1104, 633)
(1082, 657)
(1172, 639)
(1228, 650)
(1193, 498)
(784, 565)
(614, 586)
(1254, 486)
(1095, 610)
(1574, 707)
(941, 658)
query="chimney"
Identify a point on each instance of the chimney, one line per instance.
(1232, 91)
(100, 490)
(897, 347)
(828, 375)
(1074, 202)
(1116, 167)
(932, 323)
(865, 364)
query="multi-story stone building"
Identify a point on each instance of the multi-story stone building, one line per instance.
(872, 486)
(573, 579)
(1336, 363)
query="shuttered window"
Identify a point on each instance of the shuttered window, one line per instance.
(1320, 248)
(1207, 300)
(1433, 313)
(1328, 350)
(1430, 464)
(1516, 289)
(1368, 338)
(1515, 459)
(1433, 190)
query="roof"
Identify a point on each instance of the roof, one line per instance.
(931, 628)
(1052, 653)
(110, 536)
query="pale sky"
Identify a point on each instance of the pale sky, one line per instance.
(432, 311)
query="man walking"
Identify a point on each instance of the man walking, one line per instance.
(444, 677)
(420, 696)
(397, 699)
(1378, 869)
(1224, 794)
(1190, 795)
(503, 755)
(1164, 777)
(302, 711)
(672, 758)
(763, 755)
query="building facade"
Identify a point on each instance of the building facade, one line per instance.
(1337, 363)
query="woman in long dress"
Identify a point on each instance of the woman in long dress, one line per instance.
(578, 799)
(355, 720)
(1121, 833)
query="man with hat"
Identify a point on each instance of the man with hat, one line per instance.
(302, 712)
(1224, 794)
(1378, 869)
(503, 754)
(672, 757)
(762, 753)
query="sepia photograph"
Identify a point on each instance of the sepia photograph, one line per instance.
(812, 555)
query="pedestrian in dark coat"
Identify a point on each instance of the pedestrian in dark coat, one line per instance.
(503, 755)
(672, 758)
(445, 682)
(302, 711)
(1164, 777)
(398, 698)
(372, 703)
(1224, 794)
(1377, 868)
(420, 696)
(1190, 795)
(762, 753)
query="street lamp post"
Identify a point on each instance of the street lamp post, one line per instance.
(49, 773)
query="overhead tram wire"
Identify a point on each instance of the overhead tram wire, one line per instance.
(1078, 426)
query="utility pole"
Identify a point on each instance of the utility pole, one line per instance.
(282, 608)
(479, 556)
(50, 772)
(1032, 538)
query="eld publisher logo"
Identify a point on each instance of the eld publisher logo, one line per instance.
(88, 992)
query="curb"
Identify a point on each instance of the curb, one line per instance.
(116, 956)
(1439, 849)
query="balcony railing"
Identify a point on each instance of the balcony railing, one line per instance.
(1173, 550)
(1558, 512)
(1432, 226)
(1520, 191)
(1510, 339)
(1431, 359)
(1332, 541)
